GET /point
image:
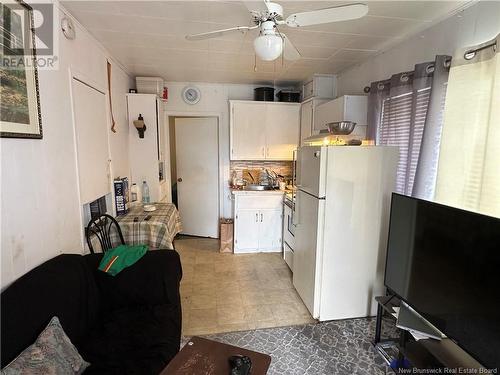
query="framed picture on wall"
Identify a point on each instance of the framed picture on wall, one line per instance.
(20, 115)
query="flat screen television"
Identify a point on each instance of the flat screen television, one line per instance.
(445, 263)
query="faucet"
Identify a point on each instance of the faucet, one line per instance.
(272, 176)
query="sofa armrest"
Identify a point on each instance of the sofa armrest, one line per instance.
(153, 280)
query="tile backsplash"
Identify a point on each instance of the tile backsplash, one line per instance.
(283, 168)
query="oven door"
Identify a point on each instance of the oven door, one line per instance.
(289, 227)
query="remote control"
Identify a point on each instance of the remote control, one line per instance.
(240, 365)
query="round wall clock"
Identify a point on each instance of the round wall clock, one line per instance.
(191, 94)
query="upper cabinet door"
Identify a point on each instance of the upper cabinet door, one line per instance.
(248, 130)
(306, 119)
(282, 130)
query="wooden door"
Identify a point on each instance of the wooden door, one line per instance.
(197, 164)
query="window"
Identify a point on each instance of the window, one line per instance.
(98, 207)
(402, 124)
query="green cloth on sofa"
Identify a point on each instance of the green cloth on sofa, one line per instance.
(121, 257)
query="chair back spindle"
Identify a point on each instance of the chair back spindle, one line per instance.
(101, 228)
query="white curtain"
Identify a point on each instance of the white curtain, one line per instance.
(469, 162)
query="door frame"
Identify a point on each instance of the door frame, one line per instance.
(202, 114)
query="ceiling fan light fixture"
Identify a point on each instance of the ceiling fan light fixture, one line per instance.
(268, 47)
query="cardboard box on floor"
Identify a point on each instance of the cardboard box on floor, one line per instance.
(226, 235)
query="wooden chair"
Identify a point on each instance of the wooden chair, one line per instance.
(101, 228)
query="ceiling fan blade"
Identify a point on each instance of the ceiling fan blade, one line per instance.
(289, 51)
(218, 33)
(335, 14)
(259, 6)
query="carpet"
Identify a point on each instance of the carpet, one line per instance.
(330, 348)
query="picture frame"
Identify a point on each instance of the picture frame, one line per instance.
(20, 114)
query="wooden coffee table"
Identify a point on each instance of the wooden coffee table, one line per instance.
(206, 357)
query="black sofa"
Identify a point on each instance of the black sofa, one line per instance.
(124, 324)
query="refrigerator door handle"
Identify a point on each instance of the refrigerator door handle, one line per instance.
(297, 169)
(294, 159)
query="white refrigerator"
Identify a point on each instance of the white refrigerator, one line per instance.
(342, 218)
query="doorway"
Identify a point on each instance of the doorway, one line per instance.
(195, 164)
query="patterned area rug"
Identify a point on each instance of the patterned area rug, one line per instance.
(331, 348)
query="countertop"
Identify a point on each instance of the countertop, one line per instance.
(257, 192)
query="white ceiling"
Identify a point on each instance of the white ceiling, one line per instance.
(147, 37)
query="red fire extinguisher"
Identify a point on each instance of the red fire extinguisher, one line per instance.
(165, 93)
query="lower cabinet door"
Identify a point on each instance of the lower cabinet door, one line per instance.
(270, 233)
(246, 231)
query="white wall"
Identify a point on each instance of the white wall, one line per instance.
(476, 24)
(40, 212)
(213, 102)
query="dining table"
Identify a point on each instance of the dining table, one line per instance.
(157, 228)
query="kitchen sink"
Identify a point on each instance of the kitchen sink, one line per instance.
(254, 187)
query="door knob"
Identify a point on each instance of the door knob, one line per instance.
(179, 179)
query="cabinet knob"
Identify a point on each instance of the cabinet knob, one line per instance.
(179, 179)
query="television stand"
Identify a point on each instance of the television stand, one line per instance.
(403, 351)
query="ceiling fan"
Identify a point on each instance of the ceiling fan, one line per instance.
(271, 43)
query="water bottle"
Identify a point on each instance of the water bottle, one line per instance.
(145, 192)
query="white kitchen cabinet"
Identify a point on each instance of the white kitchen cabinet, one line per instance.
(270, 234)
(307, 109)
(248, 131)
(263, 130)
(148, 155)
(344, 108)
(247, 226)
(282, 130)
(320, 86)
(258, 222)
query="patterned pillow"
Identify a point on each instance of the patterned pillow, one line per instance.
(52, 354)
